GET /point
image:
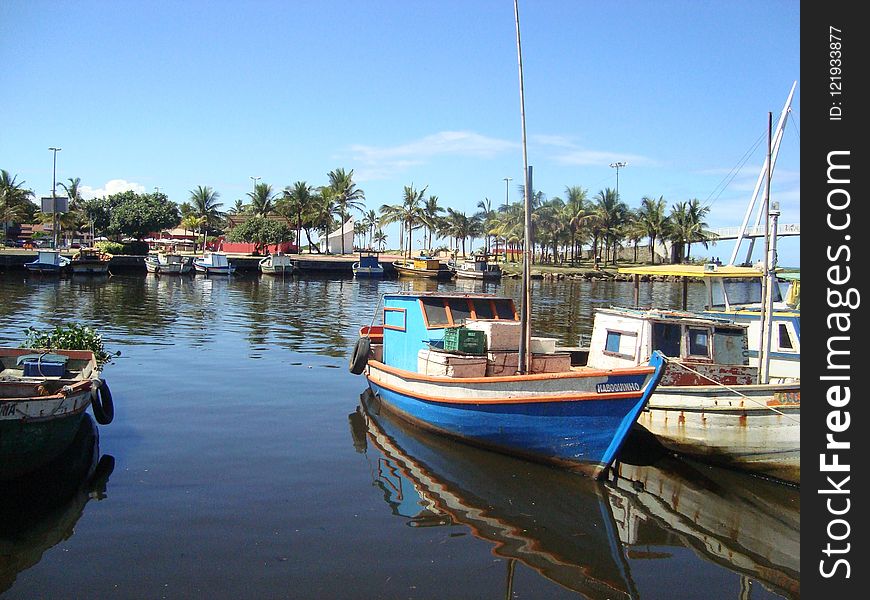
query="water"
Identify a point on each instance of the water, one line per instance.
(241, 464)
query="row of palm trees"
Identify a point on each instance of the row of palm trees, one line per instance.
(561, 228)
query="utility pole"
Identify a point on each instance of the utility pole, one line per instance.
(54, 221)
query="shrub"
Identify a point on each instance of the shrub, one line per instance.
(135, 248)
(110, 247)
(72, 336)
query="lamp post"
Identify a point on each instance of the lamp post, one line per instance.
(54, 236)
(617, 166)
(507, 181)
(255, 180)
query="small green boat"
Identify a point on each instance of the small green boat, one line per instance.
(43, 397)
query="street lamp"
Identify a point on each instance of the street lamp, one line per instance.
(255, 180)
(53, 197)
(617, 166)
(507, 181)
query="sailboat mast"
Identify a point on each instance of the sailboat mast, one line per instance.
(767, 283)
(524, 362)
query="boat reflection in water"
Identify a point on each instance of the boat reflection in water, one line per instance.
(40, 510)
(552, 520)
(745, 523)
(588, 536)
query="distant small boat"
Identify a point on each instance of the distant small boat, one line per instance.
(168, 264)
(43, 397)
(90, 261)
(478, 267)
(49, 262)
(214, 263)
(276, 264)
(423, 266)
(368, 265)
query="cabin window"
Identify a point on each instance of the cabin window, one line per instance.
(459, 310)
(504, 309)
(729, 346)
(785, 338)
(483, 309)
(699, 342)
(612, 343)
(435, 312)
(666, 339)
(621, 343)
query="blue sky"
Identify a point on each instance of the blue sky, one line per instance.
(179, 94)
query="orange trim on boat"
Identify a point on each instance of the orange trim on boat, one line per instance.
(646, 370)
(575, 397)
(399, 310)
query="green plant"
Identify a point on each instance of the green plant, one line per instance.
(72, 336)
(110, 247)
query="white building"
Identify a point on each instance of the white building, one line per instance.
(332, 244)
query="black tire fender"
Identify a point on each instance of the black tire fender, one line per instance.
(360, 355)
(102, 405)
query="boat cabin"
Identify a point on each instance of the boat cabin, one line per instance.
(425, 262)
(718, 348)
(368, 259)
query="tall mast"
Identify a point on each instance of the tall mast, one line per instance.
(524, 362)
(769, 280)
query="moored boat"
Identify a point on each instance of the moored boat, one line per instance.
(214, 263)
(368, 265)
(709, 403)
(50, 262)
(90, 261)
(43, 396)
(462, 381)
(478, 267)
(423, 266)
(168, 264)
(276, 264)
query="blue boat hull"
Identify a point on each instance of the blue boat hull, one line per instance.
(584, 434)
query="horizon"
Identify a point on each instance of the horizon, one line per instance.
(171, 97)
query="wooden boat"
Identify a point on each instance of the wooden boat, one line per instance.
(709, 403)
(49, 262)
(276, 264)
(90, 261)
(478, 267)
(423, 266)
(576, 417)
(368, 265)
(745, 524)
(214, 263)
(168, 264)
(556, 524)
(43, 397)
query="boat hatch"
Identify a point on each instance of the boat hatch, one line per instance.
(452, 311)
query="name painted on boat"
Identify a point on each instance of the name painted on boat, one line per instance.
(617, 387)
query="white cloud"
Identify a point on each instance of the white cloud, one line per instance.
(113, 186)
(383, 162)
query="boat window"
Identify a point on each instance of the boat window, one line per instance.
(666, 339)
(435, 312)
(504, 309)
(612, 343)
(729, 346)
(459, 310)
(699, 342)
(483, 309)
(784, 337)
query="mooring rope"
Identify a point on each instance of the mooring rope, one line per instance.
(730, 389)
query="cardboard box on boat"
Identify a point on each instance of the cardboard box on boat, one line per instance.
(500, 334)
(444, 364)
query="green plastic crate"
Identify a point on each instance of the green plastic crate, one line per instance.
(464, 340)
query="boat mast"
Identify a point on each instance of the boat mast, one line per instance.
(766, 169)
(524, 362)
(769, 275)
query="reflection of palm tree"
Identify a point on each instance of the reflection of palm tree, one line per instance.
(347, 196)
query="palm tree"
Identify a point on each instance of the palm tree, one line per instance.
(431, 217)
(486, 217)
(577, 213)
(347, 195)
(409, 213)
(653, 220)
(688, 226)
(458, 226)
(380, 238)
(238, 208)
(13, 200)
(298, 200)
(262, 200)
(370, 220)
(610, 214)
(205, 207)
(191, 223)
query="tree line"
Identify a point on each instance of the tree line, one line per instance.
(562, 228)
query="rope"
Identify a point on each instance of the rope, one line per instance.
(730, 389)
(374, 315)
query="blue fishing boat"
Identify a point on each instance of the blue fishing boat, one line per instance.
(49, 262)
(449, 362)
(368, 265)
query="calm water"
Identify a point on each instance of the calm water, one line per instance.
(245, 461)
